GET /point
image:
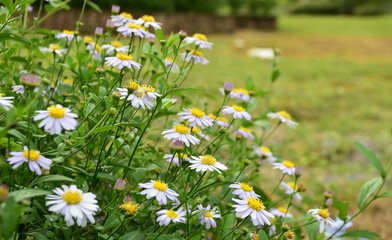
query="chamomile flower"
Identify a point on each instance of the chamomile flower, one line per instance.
(219, 120)
(18, 89)
(237, 111)
(122, 19)
(129, 206)
(241, 94)
(115, 47)
(322, 216)
(207, 215)
(122, 60)
(195, 116)
(34, 158)
(136, 95)
(281, 212)
(253, 207)
(291, 188)
(169, 62)
(67, 35)
(201, 134)
(149, 93)
(244, 132)
(200, 40)
(147, 21)
(73, 204)
(160, 190)
(243, 190)
(254, 236)
(283, 117)
(265, 154)
(167, 216)
(134, 29)
(176, 158)
(182, 133)
(56, 118)
(286, 167)
(206, 162)
(329, 230)
(6, 102)
(54, 48)
(195, 56)
(94, 49)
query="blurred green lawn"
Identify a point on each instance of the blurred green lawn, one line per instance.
(336, 80)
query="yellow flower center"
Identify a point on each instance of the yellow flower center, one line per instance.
(197, 112)
(238, 108)
(133, 85)
(182, 129)
(290, 235)
(68, 32)
(148, 88)
(241, 90)
(197, 53)
(126, 15)
(255, 236)
(196, 130)
(323, 213)
(116, 44)
(169, 59)
(288, 164)
(54, 47)
(182, 155)
(292, 185)
(160, 185)
(255, 204)
(264, 149)
(272, 220)
(213, 116)
(171, 214)
(245, 129)
(97, 47)
(72, 197)
(123, 56)
(208, 214)
(31, 155)
(130, 207)
(208, 160)
(285, 115)
(200, 36)
(56, 112)
(148, 18)
(136, 26)
(283, 210)
(246, 187)
(87, 39)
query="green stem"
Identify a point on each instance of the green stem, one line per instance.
(237, 226)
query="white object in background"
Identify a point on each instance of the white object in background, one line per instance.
(263, 53)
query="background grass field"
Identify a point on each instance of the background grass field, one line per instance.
(337, 81)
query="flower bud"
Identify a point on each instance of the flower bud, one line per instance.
(247, 162)
(301, 187)
(67, 101)
(289, 235)
(115, 9)
(120, 184)
(84, 88)
(329, 202)
(188, 49)
(112, 111)
(298, 171)
(327, 194)
(221, 178)
(98, 31)
(89, 65)
(182, 35)
(109, 24)
(178, 145)
(3, 193)
(228, 87)
(163, 43)
(100, 70)
(30, 80)
(158, 170)
(285, 227)
(199, 201)
(116, 95)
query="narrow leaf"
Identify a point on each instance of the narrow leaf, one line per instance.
(371, 157)
(369, 188)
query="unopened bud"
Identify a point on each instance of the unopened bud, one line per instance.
(112, 111)
(188, 50)
(115, 9)
(199, 201)
(285, 227)
(329, 202)
(109, 24)
(228, 87)
(120, 184)
(98, 31)
(163, 43)
(84, 88)
(182, 35)
(116, 95)
(158, 169)
(100, 70)
(247, 162)
(298, 171)
(289, 235)
(327, 194)
(178, 145)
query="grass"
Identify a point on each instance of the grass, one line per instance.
(337, 81)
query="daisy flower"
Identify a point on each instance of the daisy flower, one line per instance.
(169, 62)
(254, 236)
(129, 206)
(207, 215)
(241, 94)
(73, 204)
(34, 158)
(160, 190)
(55, 118)
(135, 94)
(199, 133)
(182, 133)
(322, 216)
(265, 154)
(149, 93)
(148, 21)
(122, 60)
(237, 111)
(329, 230)
(244, 132)
(134, 29)
(286, 167)
(196, 56)
(206, 162)
(67, 35)
(6, 102)
(167, 216)
(219, 120)
(18, 89)
(291, 188)
(94, 49)
(176, 158)
(115, 47)
(200, 40)
(281, 212)
(284, 117)
(122, 19)
(253, 207)
(195, 116)
(53, 48)
(243, 190)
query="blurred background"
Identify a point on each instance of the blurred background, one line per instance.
(336, 77)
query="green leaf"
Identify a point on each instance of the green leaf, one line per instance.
(275, 75)
(371, 157)
(104, 129)
(158, 60)
(130, 235)
(369, 188)
(21, 195)
(9, 5)
(360, 234)
(342, 207)
(262, 235)
(171, 91)
(11, 36)
(52, 178)
(385, 194)
(94, 6)
(159, 35)
(312, 230)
